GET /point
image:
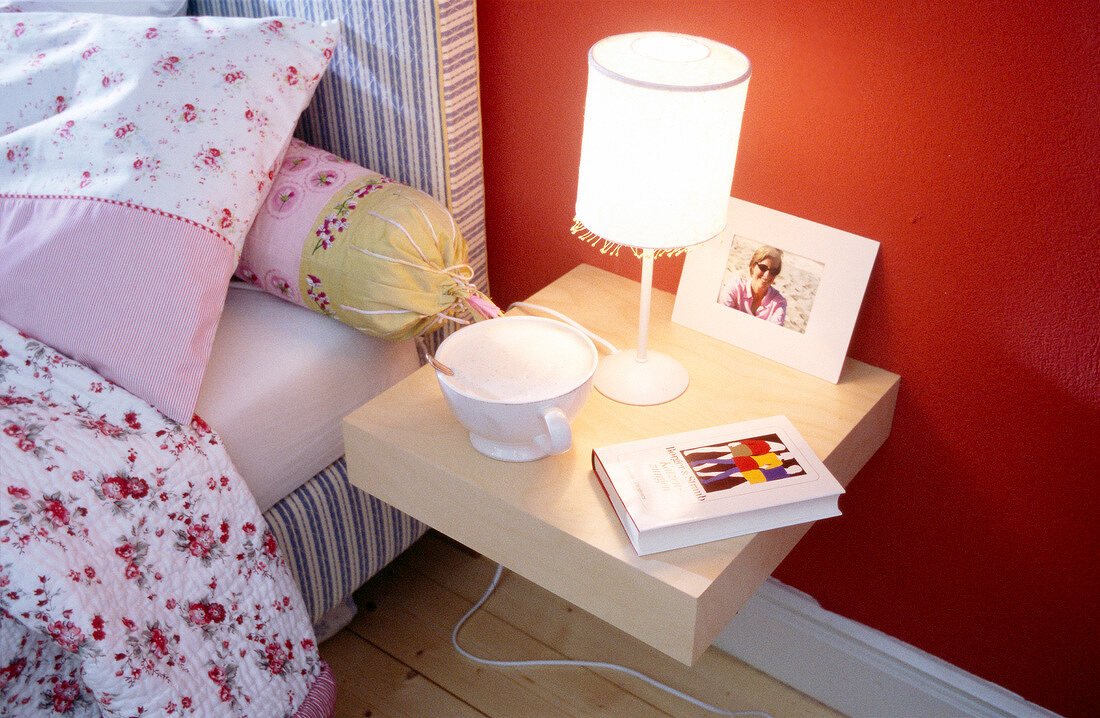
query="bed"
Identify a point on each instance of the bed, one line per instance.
(385, 100)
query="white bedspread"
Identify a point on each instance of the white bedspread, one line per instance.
(137, 575)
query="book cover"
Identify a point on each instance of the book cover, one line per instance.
(709, 484)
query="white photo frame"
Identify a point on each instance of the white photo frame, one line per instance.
(826, 276)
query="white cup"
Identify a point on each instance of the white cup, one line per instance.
(517, 383)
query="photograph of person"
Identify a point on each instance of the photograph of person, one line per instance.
(770, 284)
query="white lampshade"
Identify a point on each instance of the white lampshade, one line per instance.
(661, 124)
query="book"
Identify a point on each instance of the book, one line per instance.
(697, 486)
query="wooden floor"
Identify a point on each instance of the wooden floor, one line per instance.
(396, 658)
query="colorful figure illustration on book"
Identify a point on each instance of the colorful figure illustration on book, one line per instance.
(756, 460)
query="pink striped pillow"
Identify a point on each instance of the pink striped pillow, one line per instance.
(134, 154)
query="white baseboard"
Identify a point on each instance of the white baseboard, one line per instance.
(855, 669)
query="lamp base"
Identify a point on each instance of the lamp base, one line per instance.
(657, 379)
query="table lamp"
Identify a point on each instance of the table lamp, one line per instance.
(661, 124)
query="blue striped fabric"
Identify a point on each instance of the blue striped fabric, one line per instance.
(335, 536)
(400, 97)
(462, 118)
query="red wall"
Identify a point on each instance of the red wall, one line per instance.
(965, 137)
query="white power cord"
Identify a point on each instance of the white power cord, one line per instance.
(558, 315)
(579, 664)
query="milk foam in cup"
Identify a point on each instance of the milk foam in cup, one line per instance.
(517, 382)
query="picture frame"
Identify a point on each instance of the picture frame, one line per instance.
(823, 274)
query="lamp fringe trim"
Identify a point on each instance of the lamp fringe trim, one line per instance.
(610, 248)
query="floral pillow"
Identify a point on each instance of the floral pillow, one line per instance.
(112, 7)
(134, 154)
(345, 241)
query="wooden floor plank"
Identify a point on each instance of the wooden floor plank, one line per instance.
(374, 684)
(412, 617)
(396, 658)
(716, 678)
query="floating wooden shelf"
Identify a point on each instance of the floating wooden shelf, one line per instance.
(549, 521)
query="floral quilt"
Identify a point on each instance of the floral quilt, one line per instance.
(137, 575)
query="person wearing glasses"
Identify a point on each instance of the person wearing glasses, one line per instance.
(754, 294)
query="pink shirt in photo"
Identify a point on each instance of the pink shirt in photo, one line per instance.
(738, 295)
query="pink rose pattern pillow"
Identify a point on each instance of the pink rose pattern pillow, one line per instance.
(373, 253)
(134, 154)
(304, 184)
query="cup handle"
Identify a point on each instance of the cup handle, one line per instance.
(559, 436)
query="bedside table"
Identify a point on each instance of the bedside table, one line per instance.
(549, 520)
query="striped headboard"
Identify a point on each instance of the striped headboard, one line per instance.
(400, 97)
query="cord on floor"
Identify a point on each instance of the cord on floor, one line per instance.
(579, 664)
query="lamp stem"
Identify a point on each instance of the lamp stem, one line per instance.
(643, 303)
(641, 377)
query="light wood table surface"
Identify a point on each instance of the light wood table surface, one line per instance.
(549, 521)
